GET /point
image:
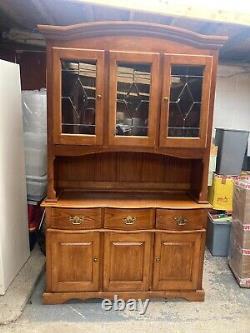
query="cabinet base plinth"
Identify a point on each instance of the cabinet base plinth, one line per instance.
(62, 297)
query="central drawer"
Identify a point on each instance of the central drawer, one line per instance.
(128, 219)
(74, 218)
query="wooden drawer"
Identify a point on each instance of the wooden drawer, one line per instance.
(128, 219)
(181, 219)
(72, 218)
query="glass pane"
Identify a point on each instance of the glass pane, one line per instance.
(132, 101)
(78, 97)
(185, 101)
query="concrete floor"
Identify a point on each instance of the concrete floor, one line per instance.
(226, 309)
(21, 288)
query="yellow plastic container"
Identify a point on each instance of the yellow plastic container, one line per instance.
(221, 192)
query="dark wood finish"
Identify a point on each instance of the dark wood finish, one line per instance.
(74, 260)
(185, 219)
(127, 261)
(127, 215)
(128, 219)
(74, 218)
(176, 261)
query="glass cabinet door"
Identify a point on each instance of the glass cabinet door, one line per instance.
(78, 83)
(134, 97)
(185, 101)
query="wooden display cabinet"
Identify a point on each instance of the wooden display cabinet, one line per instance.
(129, 128)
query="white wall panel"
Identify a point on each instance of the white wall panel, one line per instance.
(232, 98)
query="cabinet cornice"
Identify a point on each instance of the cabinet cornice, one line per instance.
(118, 28)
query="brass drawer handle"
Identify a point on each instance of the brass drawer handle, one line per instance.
(157, 259)
(129, 220)
(181, 220)
(76, 219)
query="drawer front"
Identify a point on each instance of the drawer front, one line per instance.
(74, 219)
(128, 219)
(181, 219)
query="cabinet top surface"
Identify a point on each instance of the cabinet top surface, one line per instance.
(113, 28)
(78, 199)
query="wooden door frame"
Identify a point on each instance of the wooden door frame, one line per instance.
(134, 57)
(59, 53)
(185, 59)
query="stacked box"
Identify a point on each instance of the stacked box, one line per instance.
(239, 258)
(221, 193)
(241, 233)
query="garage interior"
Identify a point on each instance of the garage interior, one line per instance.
(227, 304)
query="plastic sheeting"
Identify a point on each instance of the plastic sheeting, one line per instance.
(34, 105)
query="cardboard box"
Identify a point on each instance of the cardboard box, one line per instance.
(239, 259)
(244, 283)
(241, 234)
(221, 192)
(241, 200)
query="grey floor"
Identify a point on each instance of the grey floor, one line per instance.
(227, 307)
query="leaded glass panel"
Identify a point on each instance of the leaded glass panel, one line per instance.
(133, 97)
(78, 97)
(185, 101)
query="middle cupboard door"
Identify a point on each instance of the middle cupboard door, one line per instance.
(127, 261)
(133, 98)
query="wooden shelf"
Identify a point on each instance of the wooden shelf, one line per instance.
(78, 199)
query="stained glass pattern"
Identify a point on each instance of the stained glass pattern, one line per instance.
(78, 97)
(185, 101)
(132, 101)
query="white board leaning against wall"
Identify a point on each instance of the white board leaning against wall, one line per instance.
(14, 242)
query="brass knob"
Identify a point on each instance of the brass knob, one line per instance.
(157, 259)
(95, 259)
(165, 98)
(181, 220)
(76, 219)
(99, 96)
(129, 220)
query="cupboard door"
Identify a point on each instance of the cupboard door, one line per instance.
(127, 259)
(185, 101)
(134, 98)
(77, 89)
(177, 261)
(74, 260)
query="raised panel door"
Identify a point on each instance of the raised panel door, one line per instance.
(127, 260)
(74, 260)
(177, 260)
